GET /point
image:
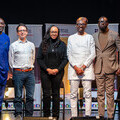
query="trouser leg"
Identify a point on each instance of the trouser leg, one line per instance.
(88, 98)
(30, 86)
(18, 78)
(46, 86)
(100, 81)
(55, 83)
(2, 89)
(105, 83)
(110, 95)
(74, 84)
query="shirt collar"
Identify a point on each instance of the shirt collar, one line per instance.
(20, 41)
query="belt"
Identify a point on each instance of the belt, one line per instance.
(23, 70)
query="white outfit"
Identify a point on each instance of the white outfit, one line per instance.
(81, 51)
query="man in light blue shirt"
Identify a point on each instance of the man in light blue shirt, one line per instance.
(4, 66)
(21, 59)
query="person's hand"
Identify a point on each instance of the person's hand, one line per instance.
(79, 71)
(55, 71)
(9, 76)
(118, 72)
(50, 71)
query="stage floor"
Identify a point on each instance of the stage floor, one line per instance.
(9, 115)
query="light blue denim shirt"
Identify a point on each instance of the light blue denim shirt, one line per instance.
(22, 54)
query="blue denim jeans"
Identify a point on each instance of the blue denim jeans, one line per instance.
(28, 80)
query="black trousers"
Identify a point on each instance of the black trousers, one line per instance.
(51, 87)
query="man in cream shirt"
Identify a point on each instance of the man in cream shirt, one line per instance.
(81, 53)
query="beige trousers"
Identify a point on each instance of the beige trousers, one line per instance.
(105, 82)
(74, 84)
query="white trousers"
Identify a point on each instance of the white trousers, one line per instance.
(74, 85)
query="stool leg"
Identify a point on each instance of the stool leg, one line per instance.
(115, 110)
(63, 109)
(78, 107)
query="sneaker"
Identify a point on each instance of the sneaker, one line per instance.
(100, 118)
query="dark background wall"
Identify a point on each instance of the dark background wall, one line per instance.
(58, 11)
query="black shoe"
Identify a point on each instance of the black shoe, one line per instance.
(110, 119)
(0, 115)
(102, 118)
(87, 116)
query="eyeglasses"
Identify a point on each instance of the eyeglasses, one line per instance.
(103, 21)
(79, 24)
(54, 32)
(22, 30)
(2, 23)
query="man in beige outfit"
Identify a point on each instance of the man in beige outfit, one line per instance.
(106, 66)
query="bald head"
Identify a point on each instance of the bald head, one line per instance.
(103, 18)
(82, 19)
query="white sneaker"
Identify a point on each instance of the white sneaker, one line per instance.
(97, 117)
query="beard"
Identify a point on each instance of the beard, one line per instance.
(103, 28)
